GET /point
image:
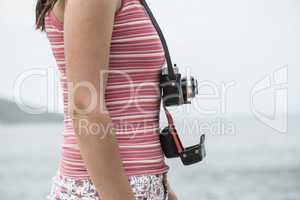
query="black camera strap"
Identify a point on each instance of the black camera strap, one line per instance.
(191, 154)
(171, 73)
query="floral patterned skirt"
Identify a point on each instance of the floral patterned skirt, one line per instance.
(145, 187)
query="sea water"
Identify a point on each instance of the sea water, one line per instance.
(253, 163)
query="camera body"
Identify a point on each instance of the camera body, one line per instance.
(178, 91)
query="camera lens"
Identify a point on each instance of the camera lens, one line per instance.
(196, 86)
(189, 88)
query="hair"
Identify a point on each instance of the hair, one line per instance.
(41, 9)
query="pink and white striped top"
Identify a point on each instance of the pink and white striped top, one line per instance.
(132, 94)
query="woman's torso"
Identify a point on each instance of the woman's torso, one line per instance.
(132, 95)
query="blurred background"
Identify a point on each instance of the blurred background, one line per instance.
(245, 54)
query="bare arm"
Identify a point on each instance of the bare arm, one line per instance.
(88, 29)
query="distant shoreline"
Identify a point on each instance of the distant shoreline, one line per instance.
(12, 114)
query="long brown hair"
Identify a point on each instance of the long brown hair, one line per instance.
(41, 9)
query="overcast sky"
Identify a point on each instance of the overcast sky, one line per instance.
(233, 41)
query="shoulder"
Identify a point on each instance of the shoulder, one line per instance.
(59, 7)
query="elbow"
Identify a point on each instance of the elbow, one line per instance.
(86, 103)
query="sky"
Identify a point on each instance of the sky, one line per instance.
(250, 47)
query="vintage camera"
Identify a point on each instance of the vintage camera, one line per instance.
(179, 90)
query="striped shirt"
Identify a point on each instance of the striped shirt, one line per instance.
(132, 94)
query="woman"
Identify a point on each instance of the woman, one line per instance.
(109, 57)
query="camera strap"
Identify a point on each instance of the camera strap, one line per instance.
(173, 130)
(191, 154)
(171, 75)
(171, 72)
